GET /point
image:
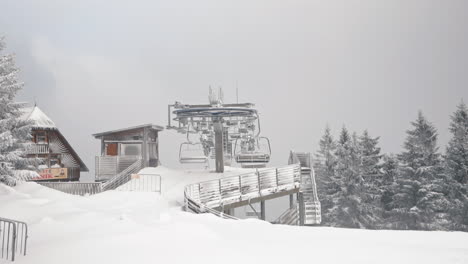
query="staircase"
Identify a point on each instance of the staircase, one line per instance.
(309, 204)
(289, 217)
(123, 177)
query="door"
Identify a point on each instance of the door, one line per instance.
(112, 149)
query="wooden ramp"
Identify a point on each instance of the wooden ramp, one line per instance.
(219, 196)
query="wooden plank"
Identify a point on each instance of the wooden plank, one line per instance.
(258, 199)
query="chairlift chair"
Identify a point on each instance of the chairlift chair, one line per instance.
(256, 158)
(190, 152)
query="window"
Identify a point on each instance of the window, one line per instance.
(55, 162)
(130, 149)
(41, 138)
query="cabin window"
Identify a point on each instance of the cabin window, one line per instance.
(55, 162)
(41, 138)
(111, 149)
(130, 149)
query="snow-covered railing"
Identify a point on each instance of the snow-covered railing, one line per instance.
(196, 207)
(13, 238)
(109, 166)
(142, 182)
(76, 188)
(37, 148)
(309, 207)
(123, 177)
(290, 217)
(205, 196)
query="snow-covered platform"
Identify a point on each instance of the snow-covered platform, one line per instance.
(131, 227)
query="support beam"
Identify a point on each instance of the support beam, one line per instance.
(291, 201)
(262, 211)
(300, 201)
(256, 199)
(219, 153)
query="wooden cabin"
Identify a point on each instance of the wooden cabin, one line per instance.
(57, 160)
(122, 147)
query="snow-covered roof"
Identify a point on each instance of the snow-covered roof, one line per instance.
(151, 126)
(38, 118)
(41, 121)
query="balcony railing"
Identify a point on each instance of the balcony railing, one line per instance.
(37, 148)
(109, 166)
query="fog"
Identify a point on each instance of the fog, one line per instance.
(93, 66)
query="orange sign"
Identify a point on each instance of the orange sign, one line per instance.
(53, 173)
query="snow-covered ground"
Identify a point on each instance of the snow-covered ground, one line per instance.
(131, 227)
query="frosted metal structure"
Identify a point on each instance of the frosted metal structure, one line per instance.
(13, 238)
(220, 196)
(220, 131)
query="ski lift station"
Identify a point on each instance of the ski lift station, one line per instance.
(226, 134)
(123, 148)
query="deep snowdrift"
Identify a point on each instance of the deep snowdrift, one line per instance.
(130, 227)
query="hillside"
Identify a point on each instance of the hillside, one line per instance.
(129, 227)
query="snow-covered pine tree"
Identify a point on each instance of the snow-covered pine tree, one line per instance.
(390, 171)
(326, 154)
(456, 167)
(370, 155)
(456, 160)
(350, 209)
(14, 131)
(325, 163)
(419, 201)
(372, 185)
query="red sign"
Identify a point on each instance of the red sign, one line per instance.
(53, 173)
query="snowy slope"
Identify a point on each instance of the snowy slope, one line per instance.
(174, 181)
(130, 227)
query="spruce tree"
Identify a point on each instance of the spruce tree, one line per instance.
(456, 160)
(350, 209)
(15, 132)
(390, 172)
(419, 201)
(456, 167)
(326, 154)
(325, 164)
(370, 155)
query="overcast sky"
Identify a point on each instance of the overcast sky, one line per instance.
(98, 65)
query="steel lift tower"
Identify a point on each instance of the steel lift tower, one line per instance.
(220, 131)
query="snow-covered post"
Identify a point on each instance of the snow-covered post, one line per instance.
(300, 200)
(262, 210)
(218, 128)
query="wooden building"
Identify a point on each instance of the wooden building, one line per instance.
(58, 161)
(123, 147)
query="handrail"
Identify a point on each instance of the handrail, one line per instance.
(309, 206)
(205, 196)
(13, 238)
(122, 177)
(76, 188)
(289, 217)
(142, 182)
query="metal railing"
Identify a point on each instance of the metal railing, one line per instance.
(289, 217)
(204, 196)
(309, 204)
(13, 238)
(142, 183)
(109, 166)
(76, 188)
(123, 177)
(196, 207)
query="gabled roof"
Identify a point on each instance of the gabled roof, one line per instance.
(38, 118)
(150, 126)
(41, 121)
